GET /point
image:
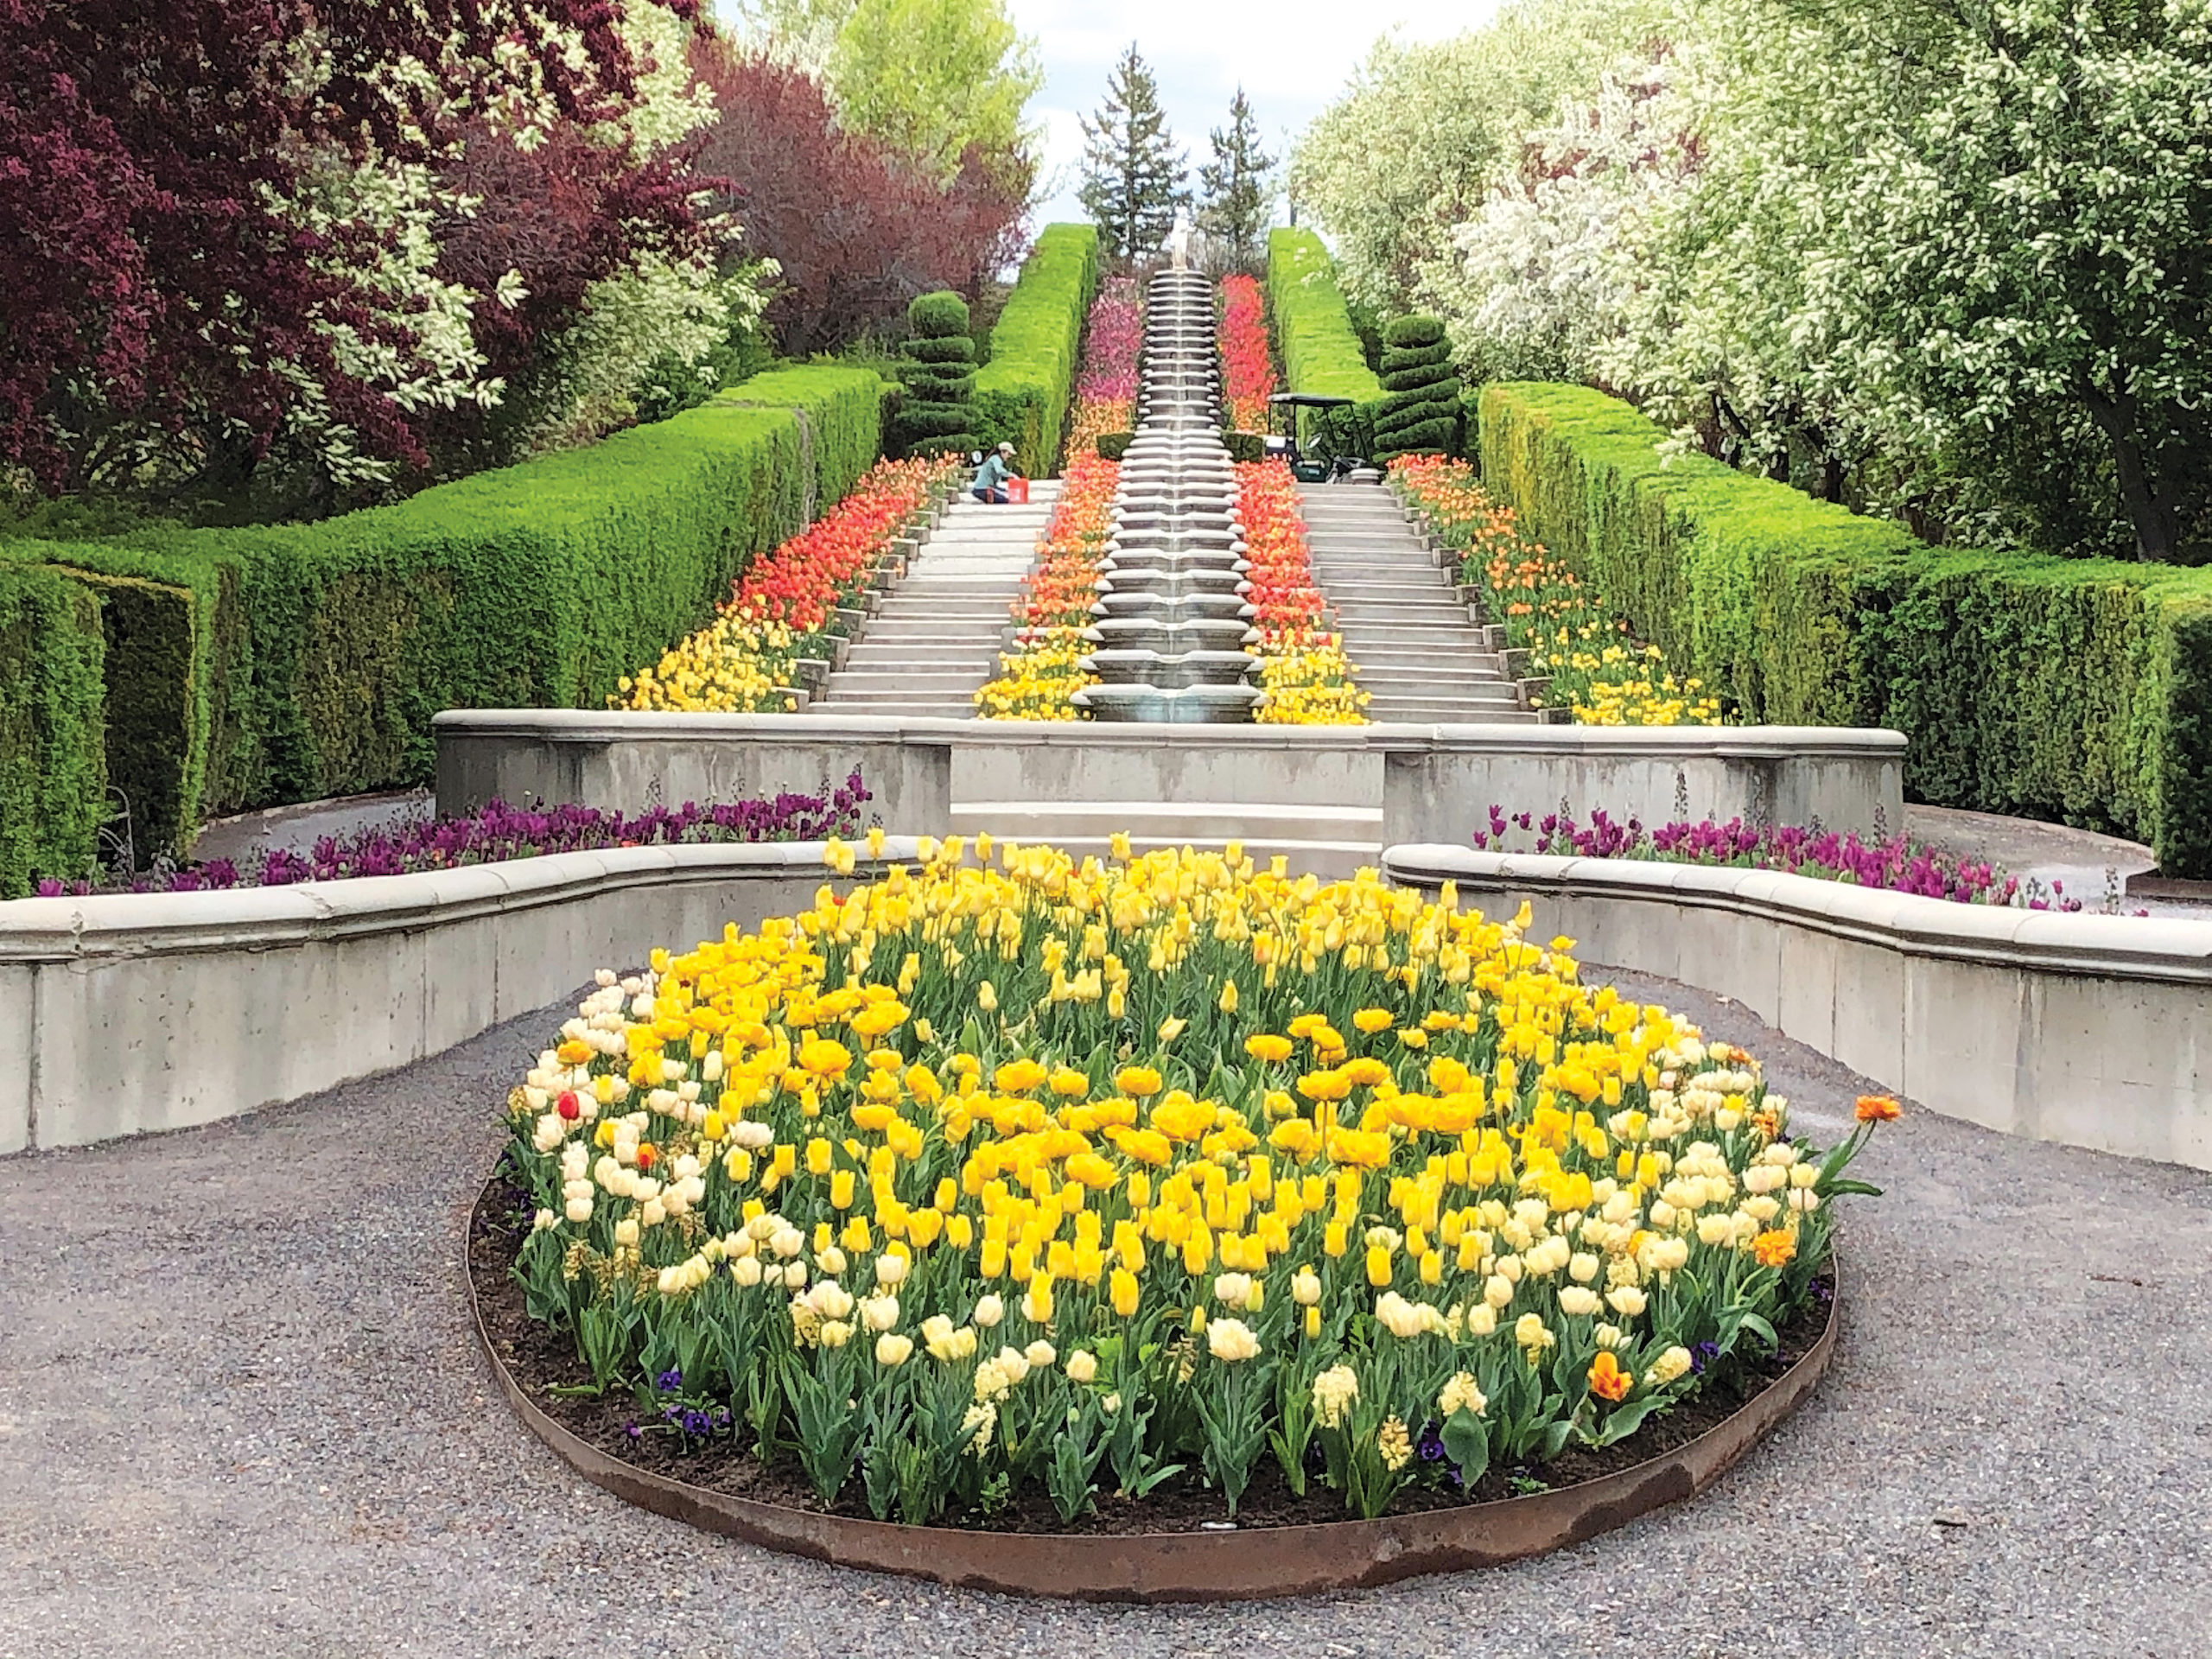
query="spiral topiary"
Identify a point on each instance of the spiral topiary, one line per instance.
(1419, 411)
(937, 369)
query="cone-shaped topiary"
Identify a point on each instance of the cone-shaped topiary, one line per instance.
(1419, 411)
(938, 372)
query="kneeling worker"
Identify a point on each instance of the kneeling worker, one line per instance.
(991, 476)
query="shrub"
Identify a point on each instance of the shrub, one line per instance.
(1420, 412)
(52, 771)
(840, 414)
(2077, 690)
(937, 416)
(1314, 338)
(1112, 445)
(1022, 394)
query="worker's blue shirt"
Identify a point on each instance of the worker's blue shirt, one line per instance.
(993, 472)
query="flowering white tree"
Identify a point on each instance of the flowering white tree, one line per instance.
(1424, 133)
(1540, 286)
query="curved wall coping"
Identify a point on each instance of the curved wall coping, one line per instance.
(1689, 742)
(2045, 941)
(127, 924)
(126, 1012)
(2089, 1031)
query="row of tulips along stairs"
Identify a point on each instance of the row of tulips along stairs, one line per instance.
(1167, 649)
(936, 637)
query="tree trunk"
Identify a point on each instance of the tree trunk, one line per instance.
(2149, 509)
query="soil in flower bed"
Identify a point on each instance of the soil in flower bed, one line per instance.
(543, 1361)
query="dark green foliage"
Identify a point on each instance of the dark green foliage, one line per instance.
(1112, 445)
(1132, 172)
(937, 415)
(1245, 445)
(960, 349)
(1239, 186)
(53, 776)
(941, 316)
(2077, 690)
(1420, 414)
(1416, 333)
(1021, 397)
(1426, 437)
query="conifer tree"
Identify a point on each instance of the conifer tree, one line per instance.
(1239, 187)
(1133, 173)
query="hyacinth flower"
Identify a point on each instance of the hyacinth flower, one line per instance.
(498, 832)
(1896, 864)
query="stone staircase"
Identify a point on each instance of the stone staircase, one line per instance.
(1420, 659)
(936, 639)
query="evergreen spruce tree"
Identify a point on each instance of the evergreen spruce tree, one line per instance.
(1132, 172)
(1239, 187)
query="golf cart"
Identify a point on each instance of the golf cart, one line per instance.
(1318, 461)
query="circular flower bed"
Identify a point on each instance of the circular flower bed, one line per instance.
(1026, 1183)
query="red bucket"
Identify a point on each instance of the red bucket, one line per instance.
(1017, 490)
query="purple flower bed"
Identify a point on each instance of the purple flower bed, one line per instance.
(1896, 864)
(500, 832)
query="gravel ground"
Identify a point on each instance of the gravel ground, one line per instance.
(239, 1416)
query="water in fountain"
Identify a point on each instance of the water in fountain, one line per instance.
(1170, 618)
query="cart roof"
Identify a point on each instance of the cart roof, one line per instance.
(1310, 400)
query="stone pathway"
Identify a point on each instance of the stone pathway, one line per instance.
(937, 638)
(240, 1416)
(1420, 658)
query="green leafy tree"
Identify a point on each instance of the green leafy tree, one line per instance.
(1238, 187)
(932, 79)
(1133, 173)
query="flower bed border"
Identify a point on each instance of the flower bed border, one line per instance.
(1230, 1565)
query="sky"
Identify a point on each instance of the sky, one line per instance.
(1292, 57)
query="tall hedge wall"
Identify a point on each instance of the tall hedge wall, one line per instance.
(1022, 392)
(2075, 689)
(52, 775)
(840, 414)
(1314, 337)
(232, 669)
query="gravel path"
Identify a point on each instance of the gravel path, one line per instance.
(239, 1416)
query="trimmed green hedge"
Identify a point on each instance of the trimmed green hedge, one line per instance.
(1022, 392)
(232, 669)
(53, 776)
(839, 413)
(2074, 689)
(250, 667)
(1314, 338)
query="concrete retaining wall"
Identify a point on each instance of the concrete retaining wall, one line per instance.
(618, 760)
(2093, 1031)
(1431, 783)
(126, 1013)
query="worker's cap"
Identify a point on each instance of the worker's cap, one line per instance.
(1005, 448)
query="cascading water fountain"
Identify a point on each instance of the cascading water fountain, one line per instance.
(1172, 617)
